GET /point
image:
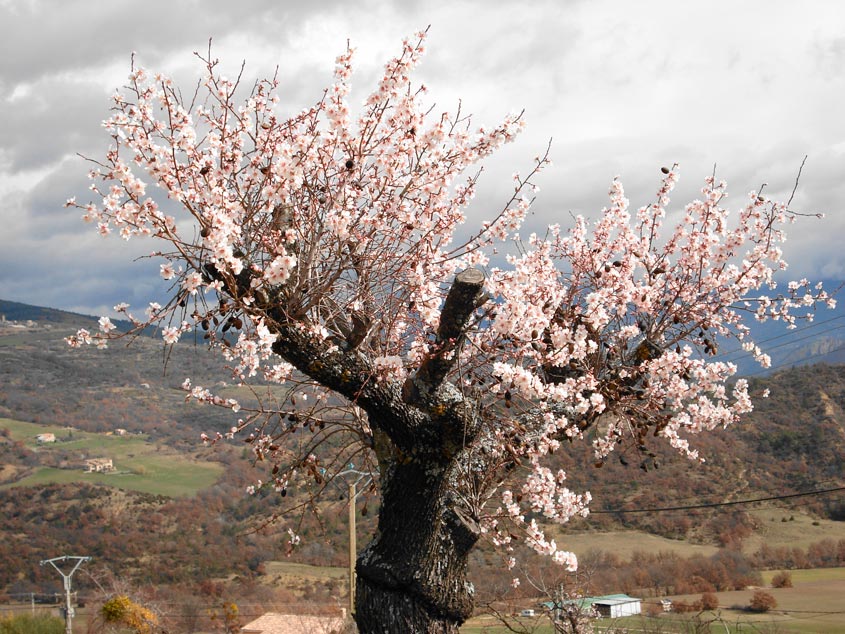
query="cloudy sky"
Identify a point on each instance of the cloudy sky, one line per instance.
(621, 88)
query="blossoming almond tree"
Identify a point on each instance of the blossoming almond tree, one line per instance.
(319, 251)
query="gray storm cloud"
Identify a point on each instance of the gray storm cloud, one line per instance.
(620, 88)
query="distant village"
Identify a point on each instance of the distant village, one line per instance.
(10, 326)
(7, 324)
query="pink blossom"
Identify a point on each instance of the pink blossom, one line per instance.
(341, 232)
(391, 367)
(280, 269)
(192, 282)
(170, 335)
(167, 271)
(106, 325)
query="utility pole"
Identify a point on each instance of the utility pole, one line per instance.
(353, 550)
(353, 547)
(68, 609)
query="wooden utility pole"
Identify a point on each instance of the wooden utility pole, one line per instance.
(353, 547)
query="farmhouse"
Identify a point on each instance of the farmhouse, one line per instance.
(274, 623)
(42, 438)
(99, 465)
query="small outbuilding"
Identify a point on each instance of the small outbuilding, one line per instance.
(617, 605)
(611, 606)
(44, 438)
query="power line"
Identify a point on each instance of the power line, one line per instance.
(794, 363)
(799, 339)
(789, 333)
(819, 612)
(717, 504)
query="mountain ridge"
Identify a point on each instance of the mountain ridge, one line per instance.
(810, 342)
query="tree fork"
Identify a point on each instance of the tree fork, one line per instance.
(465, 295)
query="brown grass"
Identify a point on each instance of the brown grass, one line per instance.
(813, 604)
(625, 543)
(799, 532)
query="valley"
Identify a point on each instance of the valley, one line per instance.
(172, 518)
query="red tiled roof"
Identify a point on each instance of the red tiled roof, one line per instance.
(273, 623)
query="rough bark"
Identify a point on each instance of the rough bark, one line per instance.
(412, 576)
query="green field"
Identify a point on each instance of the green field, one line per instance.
(139, 464)
(799, 530)
(299, 579)
(814, 604)
(801, 577)
(13, 341)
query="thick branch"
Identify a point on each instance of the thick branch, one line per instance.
(348, 373)
(519, 439)
(464, 297)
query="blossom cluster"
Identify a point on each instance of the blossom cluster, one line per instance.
(624, 330)
(345, 231)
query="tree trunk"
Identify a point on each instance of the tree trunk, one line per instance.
(412, 576)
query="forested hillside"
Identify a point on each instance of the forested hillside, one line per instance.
(794, 442)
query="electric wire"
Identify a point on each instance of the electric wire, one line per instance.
(792, 364)
(793, 341)
(790, 333)
(687, 507)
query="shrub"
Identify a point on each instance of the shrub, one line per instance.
(762, 602)
(782, 579)
(709, 601)
(682, 606)
(653, 609)
(122, 610)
